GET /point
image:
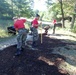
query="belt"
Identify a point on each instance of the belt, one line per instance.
(21, 28)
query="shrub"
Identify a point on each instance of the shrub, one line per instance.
(74, 29)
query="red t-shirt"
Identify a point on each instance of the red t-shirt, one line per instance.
(35, 23)
(19, 24)
(54, 21)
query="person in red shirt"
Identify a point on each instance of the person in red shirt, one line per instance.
(34, 30)
(35, 22)
(54, 23)
(19, 23)
(22, 33)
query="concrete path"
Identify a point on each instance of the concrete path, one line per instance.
(9, 42)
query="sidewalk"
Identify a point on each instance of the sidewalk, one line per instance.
(13, 41)
(9, 42)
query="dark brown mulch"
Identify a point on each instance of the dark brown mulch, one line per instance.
(32, 62)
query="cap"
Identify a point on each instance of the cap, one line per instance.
(15, 18)
(37, 15)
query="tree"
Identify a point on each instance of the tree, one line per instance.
(4, 9)
(23, 7)
(10, 8)
(61, 4)
(73, 18)
(49, 3)
(56, 8)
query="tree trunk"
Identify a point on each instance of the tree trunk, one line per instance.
(63, 24)
(73, 18)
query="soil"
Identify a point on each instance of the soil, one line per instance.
(33, 62)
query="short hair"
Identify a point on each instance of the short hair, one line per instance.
(37, 15)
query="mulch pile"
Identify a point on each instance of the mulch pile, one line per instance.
(32, 62)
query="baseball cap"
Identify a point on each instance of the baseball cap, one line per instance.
(37, 15)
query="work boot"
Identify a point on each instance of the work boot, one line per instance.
(22, 49)
(18, 52)
(34, 44)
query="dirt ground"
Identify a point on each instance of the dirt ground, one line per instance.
(33, 62)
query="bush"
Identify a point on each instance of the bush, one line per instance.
(3, 27)
(74, 29)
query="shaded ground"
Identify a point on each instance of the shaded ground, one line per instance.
(33, 62)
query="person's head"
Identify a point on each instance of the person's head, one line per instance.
(15, 18)
(37, 16)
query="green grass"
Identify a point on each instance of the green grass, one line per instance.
(3, 33)
(74, 29)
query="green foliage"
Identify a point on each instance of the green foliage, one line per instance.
(10, 8)
(3, 33)
(54, 9)
(23, 8)
(49, 2)
(5, 23)
(44, 16)
(4, 9)
(3, 27)
(74, 29)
